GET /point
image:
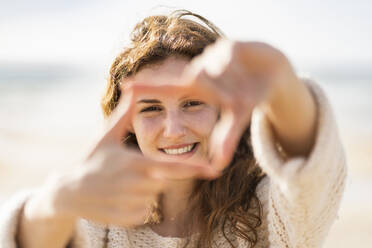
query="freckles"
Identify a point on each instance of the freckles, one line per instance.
(202, 121)
(146, 127)
(146, 131)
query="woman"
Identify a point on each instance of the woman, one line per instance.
(198, 125)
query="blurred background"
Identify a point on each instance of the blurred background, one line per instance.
(55, 57)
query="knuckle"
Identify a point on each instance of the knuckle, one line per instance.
(136, 217)
(237, 47)
(262, 45)
(107, 156)
(158, 184)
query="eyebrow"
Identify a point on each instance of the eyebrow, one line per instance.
(148, 101)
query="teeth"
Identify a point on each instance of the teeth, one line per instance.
(179, 150)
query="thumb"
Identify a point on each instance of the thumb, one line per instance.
(117, 123)
(225, 139)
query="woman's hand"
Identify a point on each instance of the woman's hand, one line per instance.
(244, 75)
(115, 184)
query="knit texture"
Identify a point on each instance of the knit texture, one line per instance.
(300, 196)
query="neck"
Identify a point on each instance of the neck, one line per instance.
(174, 208)
(176, 199)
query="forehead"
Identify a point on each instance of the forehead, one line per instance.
(167, 72)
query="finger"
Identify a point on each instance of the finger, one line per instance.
(126, 218)
(148, 186)
(203, 84)
(162, 87)
(224, 139)
(160, 170)
(137, 217)
(118, 122)
(168, 170)
(117, 125)
(132, 201)
(129, 194)
(199, 83)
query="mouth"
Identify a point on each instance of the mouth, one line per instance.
(180, 149)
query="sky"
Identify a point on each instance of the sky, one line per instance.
(93, 32)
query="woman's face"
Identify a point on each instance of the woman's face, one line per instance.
(176, 126)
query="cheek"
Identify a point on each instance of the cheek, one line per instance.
(202, 124)
(146, 130)
(202, 121)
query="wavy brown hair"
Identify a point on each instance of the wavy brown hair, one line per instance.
(218, 205)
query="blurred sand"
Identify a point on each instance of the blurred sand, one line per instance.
(353, 228)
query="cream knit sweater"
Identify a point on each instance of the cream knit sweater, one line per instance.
(300, 196)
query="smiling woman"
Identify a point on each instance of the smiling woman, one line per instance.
(177, 124)
(209, 143)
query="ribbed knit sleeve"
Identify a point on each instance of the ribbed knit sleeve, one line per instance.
(304, 192)
(10, 215)
(9, 218)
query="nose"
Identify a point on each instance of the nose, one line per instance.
(174, 126)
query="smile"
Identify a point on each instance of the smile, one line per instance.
(180, 150)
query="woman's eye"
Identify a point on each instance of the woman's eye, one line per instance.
(151, 109)
(192, 104)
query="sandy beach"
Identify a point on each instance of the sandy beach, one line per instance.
(353, 227)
